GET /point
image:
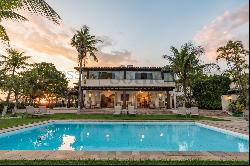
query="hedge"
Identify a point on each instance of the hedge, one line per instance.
(207, 91)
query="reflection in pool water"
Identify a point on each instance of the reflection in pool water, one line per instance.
(183, 147)
(67, 143)
(111, 136)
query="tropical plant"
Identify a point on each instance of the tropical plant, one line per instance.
(237, 107)
(186, 65)
(11, 63)
(234, 54)
(8, 10)
(85, 44)
(14, 84)
(207, 91)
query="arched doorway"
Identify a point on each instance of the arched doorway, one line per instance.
(107, 100)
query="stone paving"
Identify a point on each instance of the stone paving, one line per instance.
(235, 124)
(79, 155)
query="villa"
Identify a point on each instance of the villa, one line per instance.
(142, 87)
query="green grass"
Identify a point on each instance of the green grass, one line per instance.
(5, 123)
(116, 162)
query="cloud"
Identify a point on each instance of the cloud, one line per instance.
(229, 26)
(46, 41)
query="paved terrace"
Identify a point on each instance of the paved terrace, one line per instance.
(80, 155)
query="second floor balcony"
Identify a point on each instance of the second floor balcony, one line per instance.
(126, 83)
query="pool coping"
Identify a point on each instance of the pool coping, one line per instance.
(117, 155)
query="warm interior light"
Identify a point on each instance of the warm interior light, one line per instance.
(229, 97)
(90, 94)
(43, 101)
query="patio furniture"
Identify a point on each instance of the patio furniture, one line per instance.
(246, 115)
(30, 110)
(118, 110)
(43, 110)
(182, 111)
(194, 111)
(151, 105)
(87, 105)
(5, 108)
(98, 105)
(131, 110)
(161, 105)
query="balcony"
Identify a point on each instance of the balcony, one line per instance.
(126, 83)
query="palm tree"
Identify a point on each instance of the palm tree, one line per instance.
(39, 7)
(12, 62)
(185, 63)
(85, 45)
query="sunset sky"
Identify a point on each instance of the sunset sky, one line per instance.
(134, 32)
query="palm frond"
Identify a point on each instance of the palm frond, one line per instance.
(11, 15)
(40, 7)
(3, 34)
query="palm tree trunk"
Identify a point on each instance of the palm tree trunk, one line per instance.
(9, 93)
(80, 87)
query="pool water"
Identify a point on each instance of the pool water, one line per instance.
(123, 136)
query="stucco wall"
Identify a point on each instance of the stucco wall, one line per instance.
(226, 100)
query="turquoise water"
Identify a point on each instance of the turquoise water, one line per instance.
(113, 136)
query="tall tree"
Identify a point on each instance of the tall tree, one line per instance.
(44, 80)
(85, 44)
(11, 63)
(8, 10)
(234, 54)
(186, 65)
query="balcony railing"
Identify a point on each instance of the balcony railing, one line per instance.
(128, 83)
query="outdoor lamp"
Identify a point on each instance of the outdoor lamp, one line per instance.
(90, 94)
(229, 98)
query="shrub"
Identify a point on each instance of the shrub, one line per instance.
(207, 91)
(237, 107)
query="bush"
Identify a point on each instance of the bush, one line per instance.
(10, 105)
(207, 91)
(237, 107)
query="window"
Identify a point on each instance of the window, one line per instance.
(143, 76)
(106, 75)
(168, 77)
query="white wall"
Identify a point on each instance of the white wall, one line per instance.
(226, 100)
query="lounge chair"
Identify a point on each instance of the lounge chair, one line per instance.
(131, 110)
(194, 111)
(182, 111)
(151, 105)
(246, 115)
(5, 108)
(30, 110)
(87, 105)
(162, 105)
(98, 105)
(43, 110)
(118, 110)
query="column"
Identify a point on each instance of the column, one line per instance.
(168, 99)
(174, 101)
(170, 103)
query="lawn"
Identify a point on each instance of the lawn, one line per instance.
(116, 162)
(5, 123)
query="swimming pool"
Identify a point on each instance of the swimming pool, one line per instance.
(124, 136)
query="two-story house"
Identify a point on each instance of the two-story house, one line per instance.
(143, 87)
